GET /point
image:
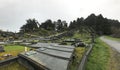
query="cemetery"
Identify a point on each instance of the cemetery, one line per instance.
(43, 53)
(43, 56)
(59, 35)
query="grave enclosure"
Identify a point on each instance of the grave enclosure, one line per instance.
(48, 56)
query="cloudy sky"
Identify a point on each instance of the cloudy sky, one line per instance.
(13, 13)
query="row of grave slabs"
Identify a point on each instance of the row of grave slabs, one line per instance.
(48, 56)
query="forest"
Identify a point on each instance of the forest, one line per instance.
(97, 24)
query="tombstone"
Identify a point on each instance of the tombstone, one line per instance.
(63, 43)
(79, 44)
(1, 49)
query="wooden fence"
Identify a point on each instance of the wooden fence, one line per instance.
(83, 61)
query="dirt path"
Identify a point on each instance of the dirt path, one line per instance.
(114, 62)
(113, 44)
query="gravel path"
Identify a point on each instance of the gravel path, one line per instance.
(114, 62)
(113, 44)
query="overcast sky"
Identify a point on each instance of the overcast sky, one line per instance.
(13, 13)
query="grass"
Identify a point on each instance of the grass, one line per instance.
(78, 55)
(100, 56)
(77, 35)
(13, 66)
(83, 36)
(112, 38)
(14, 50)
(114, 62)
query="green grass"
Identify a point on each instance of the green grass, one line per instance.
(13, 66)
(99, 58)
(77, 35)
(14, 50)
(82, 36)
(9, 48)
(112, 38)
(78, 55)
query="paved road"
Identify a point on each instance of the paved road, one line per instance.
(114, 44)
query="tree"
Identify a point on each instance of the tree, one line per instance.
(64, 25)
(48, 25)
(61, 25)
(90, 21)
(76, 24)
(79, 22)
(30, 26)
(72, 25)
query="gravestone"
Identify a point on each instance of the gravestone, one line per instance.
(1, 49)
